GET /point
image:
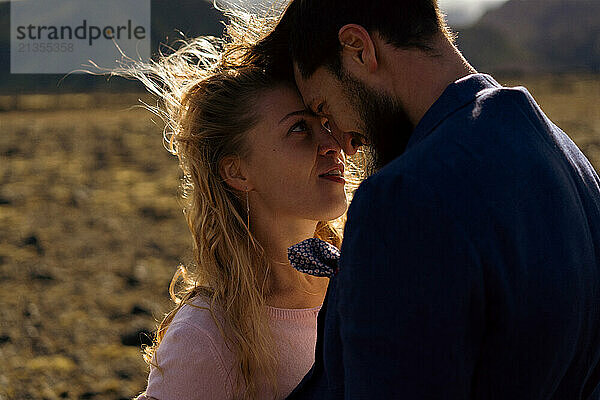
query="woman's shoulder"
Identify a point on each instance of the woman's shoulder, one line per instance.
(191, 359)
(196, 314)
(195, 324)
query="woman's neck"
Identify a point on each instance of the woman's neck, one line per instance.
(287, 287)
(295, 289)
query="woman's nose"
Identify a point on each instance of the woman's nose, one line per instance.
(328, 144)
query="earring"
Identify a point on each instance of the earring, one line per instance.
(248, 209)
(248, 217)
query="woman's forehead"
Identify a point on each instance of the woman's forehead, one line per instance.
(277, 104)
(280, 97)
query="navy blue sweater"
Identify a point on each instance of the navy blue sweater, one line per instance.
(470, 265)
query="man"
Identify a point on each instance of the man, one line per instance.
(470, 267)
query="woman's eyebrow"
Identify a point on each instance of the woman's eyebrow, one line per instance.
(299, 112)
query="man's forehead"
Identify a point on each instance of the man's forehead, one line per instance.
(300, 81)
(305, 87)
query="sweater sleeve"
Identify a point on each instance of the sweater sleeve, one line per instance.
(410, 296)
(190, 367)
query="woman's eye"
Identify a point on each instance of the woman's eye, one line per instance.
(301, 126)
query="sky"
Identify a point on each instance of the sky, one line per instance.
(465, 12)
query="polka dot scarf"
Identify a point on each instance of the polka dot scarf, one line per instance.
(314, 257)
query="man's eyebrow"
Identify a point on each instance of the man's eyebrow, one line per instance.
(299, 112)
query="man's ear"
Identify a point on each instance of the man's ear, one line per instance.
(230, 169)
(358, 46)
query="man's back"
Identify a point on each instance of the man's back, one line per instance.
(471, 264)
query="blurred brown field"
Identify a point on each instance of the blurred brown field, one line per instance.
(92, 232)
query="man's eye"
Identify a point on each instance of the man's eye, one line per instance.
(360, 140)
(320, 108)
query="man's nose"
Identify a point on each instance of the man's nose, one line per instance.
(345, 140)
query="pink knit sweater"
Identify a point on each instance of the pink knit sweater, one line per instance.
(196, 363)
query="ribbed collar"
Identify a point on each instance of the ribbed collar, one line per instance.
(292, 313)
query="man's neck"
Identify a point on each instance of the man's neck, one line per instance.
(418, 78)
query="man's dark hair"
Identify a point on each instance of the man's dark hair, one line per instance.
(308, 30)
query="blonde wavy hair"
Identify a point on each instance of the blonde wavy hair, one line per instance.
(206, 90)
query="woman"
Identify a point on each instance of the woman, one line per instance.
(261, 173)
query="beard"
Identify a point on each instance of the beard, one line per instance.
(385, 123)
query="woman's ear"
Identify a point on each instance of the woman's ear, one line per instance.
(358, 49)
(230, 169)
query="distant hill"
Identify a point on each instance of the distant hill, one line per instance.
(191, 17)
(535, 35)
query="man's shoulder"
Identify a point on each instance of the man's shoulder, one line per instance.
(504, 105)
(500, 123)
(505, 110)
(494, 96)
(466, 158)
(475, 102)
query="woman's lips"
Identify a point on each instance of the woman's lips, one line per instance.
(334, 178)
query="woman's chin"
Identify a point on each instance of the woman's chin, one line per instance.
(336, 210)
